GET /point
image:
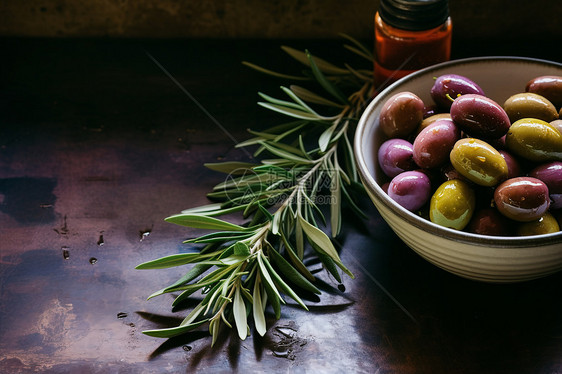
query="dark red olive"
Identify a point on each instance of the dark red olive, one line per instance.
(489, 221)
(522, 199)
(480, 117)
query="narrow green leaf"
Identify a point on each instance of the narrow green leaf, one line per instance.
(240, 183)
(359, 75)
(191, 317)
(279, 129)
(241, 249)
(193, 273)
(285, 155)
(284, 103)
(325, 137)
(291, 273)
(265, 212)
(325, 83)
(358, 52)
(198, 221)
(297, 262)
(299, 101)
(290, 112)
(318, 237)
(273, 73)
(277, 162)
(214, 330)
(266, 277)
(202, 209)
(228, 261)
(350, 158)
(352, 204)
(246, 294)
(258, 308)
(275, 223)
(299, 238)
(321, 64)
(314, 208)
(249, 142)
(172, 260)
(174, 331)
(219, 239)
(359, 45)
(322, 243)
(335, 203)
(218, 234)
(273, 298)
(302, 147)
(284, 286)
(179, 285)
(184, 295)
(239, 310)
(231, 167)
(285, 147)
(311, 97)
(330, 265)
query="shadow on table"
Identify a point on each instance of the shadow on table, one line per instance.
(460, 325)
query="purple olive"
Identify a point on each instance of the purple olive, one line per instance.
(401, 114)
(551, 174)
(429, 111)
(557, 124)
(395, 157)
(513, 168)
(522, 199)
(480, 116)
(447, 87)
(411, 189)
(433, 144)
(549, 86)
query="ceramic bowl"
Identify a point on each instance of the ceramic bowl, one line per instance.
(484, 258)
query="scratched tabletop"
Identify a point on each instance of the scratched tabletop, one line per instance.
(101, 139)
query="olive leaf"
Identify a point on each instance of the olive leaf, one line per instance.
(197, 221)
(239, 309)
(258, 307)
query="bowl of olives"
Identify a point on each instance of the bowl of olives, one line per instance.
(463, 160)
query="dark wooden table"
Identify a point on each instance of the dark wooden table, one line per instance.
(98, 145)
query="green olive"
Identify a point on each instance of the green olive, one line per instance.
(544, 225)
(429, 120)
(452, 204)
(479, 162)
(529, 105)
(535, 140)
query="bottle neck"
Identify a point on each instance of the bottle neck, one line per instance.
(414, 15)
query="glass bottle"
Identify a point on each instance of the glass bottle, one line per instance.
(410, 35)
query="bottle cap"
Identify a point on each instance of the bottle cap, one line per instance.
(414, 15)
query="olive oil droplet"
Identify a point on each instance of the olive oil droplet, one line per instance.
(101, 241)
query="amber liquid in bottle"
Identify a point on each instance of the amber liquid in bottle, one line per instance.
(400, 52)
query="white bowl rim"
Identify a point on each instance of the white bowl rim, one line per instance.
(506, 242)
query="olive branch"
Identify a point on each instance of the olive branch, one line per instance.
(241, 269)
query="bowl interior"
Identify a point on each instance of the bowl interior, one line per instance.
(499, 77)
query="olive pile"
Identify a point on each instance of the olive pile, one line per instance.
(471, 164)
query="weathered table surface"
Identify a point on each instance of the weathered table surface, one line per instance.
(98, 145)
